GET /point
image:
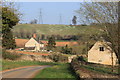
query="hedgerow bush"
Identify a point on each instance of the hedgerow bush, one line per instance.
(58, 58)
(10, 56)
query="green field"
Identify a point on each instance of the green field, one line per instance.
(58, 29)
(57, 71)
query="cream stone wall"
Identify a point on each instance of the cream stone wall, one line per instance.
(42, 45)
(33, 43)
(102, 57)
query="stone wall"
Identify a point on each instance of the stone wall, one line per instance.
(40, 58)
(71, 57)
(48, 58)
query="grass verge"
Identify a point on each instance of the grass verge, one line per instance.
(14, 64)
(62, 70)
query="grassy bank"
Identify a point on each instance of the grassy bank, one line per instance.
(101, 69)
(14, 64)
(90, 70)
(57, 71)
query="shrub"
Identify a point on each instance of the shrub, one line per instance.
(58, 58)
(81, 59)
(11, 56)
(67, 50)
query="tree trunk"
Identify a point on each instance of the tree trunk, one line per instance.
(112, 61)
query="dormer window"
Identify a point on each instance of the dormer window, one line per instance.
(101, 48)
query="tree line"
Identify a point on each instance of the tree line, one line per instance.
(28, 34)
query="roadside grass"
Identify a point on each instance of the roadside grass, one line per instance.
(63, 70)
(101, 69)
(14, 64)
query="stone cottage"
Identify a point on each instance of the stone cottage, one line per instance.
(102, 53)
(34, 45)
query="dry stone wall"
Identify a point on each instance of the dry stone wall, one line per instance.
(35, 58)
(50, 58)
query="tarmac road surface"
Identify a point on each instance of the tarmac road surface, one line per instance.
(27, 72)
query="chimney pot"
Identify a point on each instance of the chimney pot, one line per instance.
(34, 36)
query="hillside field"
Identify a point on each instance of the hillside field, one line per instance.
(62, 30)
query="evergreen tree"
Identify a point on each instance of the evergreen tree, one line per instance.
(74, 20)
(51, 43)
(9, 19)
(67, 50)
(42, 36)
(8, 41)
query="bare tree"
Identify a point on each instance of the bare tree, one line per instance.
(106, 14)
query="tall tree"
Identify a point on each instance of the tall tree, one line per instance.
(74, 20)
(106, 14)
(9, 19)
(51, 43)
(66, 50)
(42, 36)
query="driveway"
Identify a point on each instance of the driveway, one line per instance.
(27, 72)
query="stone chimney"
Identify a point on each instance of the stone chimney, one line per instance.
(34, 35)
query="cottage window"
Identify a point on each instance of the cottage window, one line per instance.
(101, 48)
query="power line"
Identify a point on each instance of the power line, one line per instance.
(40, 17)
(60, 19)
